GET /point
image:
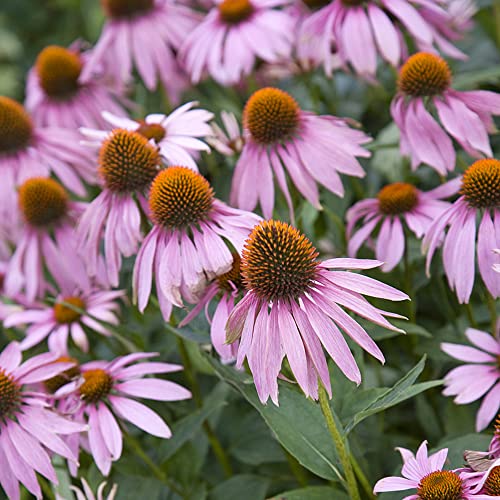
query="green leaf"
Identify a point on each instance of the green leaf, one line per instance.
(242, 487)
(312, 493)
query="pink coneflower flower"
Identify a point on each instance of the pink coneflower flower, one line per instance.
(187, 243)
(233, 35)
(425, 89)
(104, 395)
(230, 141)
(480, 196)
(56, 96)
(48, 233)
(425, 473)
(478, 378)
(144, 34)
(128, 163)
(88, 494)
(395, 204)
(30, 151)
(177, 134)
(279, 136)
(293, 307)
(29, 431)
(227, 287)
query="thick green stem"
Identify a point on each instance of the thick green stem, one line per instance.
(345, 459)
(363, 480)
(470, 315)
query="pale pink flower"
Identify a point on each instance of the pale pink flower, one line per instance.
(227, 288)
(294, 307)
(104, 395)
(233, 35)
(29, 431)
(128, 162)
(177, 135)
(145, 35)
(46, 240)
(186, 246)
(279, 138)
(424, 473)
(88, 494)
(479, 377)
(230, 141)
(480, 198)
(425, 90)
(397, 205)
(56, 96)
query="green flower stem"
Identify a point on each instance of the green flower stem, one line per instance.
(197, 397)
(345, 459)
(490, 301)
(470, 315)
(298, 471)
(365, 484)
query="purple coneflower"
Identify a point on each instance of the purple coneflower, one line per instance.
(425, 89)
(29, 431)
(395, 204)
(280, 137)
(477, 378)
(293, 307)
(425, 474)
(56, 96)
(480, 196)
(187, 243)
(106, 390)
(233, 35)
(230, 141)
(88, 494)
(144, 34)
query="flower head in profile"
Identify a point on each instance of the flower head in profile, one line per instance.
(480, 197)
(29, 432)
(145, 35)
(227, 288)
(57, 97)
(229, 141)
(294, 306)
(104, 395)
(478, 377)
(128, 163)
(396, 205)
(176, 135)
(187, 245)
(233, 35)
(425, 90)
(87, 494)
(49, 218)
(363, 31)
(279, 138)
(424, 473)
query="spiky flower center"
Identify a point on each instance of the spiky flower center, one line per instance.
(96, 386)
(66, 315)
(56, 382)
(316, 4)
(481, 184)
(127, 8)
(278, 261)
(42, 201)
(180, 197)
(10, 395)
(352, 3)
(228, 281)
(424, 74)
(271, 115)
(58, 71)
(235, 11)
(151, 131)
(127, 161)
(440, 485)
(16, 127)
(492, 484)
(397, 198)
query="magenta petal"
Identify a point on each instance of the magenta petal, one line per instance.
(111, 432)
(394, 484)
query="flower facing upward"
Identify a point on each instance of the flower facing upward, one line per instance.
(144, 34)
(480, 195)
(56, 96)
(187, 243)
(280, 136)
(395, 203)
(29, 431)
(479, 377)
(106, 390)
(293, 307)
(233, 35)
(128, 163)
(425, 89)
